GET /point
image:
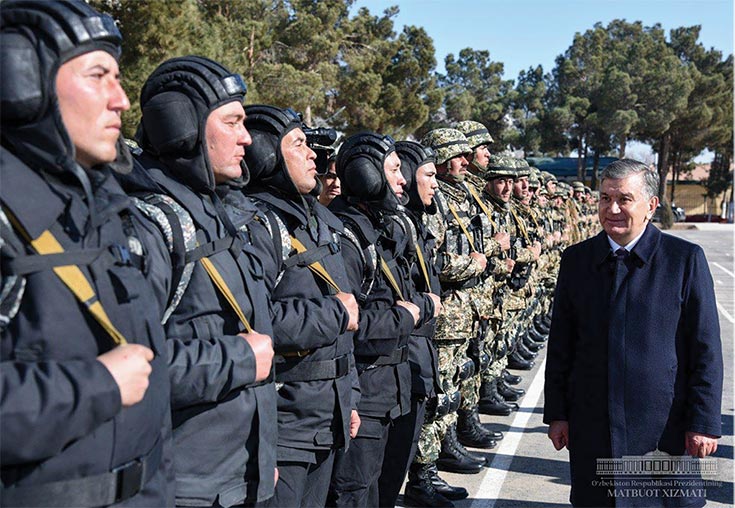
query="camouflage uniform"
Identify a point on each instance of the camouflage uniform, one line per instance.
(455, 325)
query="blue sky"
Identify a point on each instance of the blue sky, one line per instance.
(524, 33)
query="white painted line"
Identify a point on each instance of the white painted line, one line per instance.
(723, 312)
(493, 481)
(718, 265)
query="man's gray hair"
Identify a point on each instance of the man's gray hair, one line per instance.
(623, 168)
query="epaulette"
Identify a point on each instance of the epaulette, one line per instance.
(453, 192)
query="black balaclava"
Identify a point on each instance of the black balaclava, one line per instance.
(359, 167)
(36, 38)
(413, 155)
(176, 101)
(268, 125)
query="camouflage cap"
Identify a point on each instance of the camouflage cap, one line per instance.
(522, 168)
(533, 179)
(499, 166)
(447, 143)
(476, 133)
(578, 186)
(548, 177)
(587, 190)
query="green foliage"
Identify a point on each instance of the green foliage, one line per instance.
(358, 71)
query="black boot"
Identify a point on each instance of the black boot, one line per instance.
(510, 378)
(516, 361)
(471, 433)
(531, 344)
(446, 490)
(524, 351)
(508, 392)
(453, 457)
(420, 490)
(537, 336)
(491, 403)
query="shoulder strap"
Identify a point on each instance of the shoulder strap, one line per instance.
(315, 266)
(462, 226)
(46, 243)
(179, 233)
(220, 283)
(370, 266)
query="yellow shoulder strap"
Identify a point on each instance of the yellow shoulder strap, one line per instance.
(521, 225)
(73, 277)
(462, 226)
(482, 205)
(422, 264)
(220, 283)
(389, 275)
(316, 266)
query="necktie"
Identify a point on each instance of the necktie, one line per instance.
(616, 355)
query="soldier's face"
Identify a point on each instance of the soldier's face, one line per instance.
(226, 138)
(501, 188)
(299, 160)
(481, 156)
(624, 209)
(520, 187)
(90, 102)
(579, 195)
(332, 186)
(392, 168)
(551, 186)
(426, 182)
(457, 166)
(542, 200)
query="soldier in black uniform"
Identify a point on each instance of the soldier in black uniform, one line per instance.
(390, 308)
(84, 388)
(219, 324)
(314, 312)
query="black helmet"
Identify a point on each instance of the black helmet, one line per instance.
(36, 38)
(360, 169)
(413, 155)
(267, 126)
(176, 101)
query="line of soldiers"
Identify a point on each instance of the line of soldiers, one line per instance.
(187, 324)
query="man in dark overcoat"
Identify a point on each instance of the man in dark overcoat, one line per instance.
(635, 359)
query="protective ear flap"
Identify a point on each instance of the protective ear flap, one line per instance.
(261, 156)
(21, 95)
(170, 123)
(361, 178)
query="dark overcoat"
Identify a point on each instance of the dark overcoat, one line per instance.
(659, 376)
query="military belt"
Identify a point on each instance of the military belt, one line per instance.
(290, 372)
(104, 489)
(398, 356)
(296, 354)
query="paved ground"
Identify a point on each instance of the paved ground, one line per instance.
(526, 471)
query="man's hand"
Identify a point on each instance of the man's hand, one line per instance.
(354, 423)
(700, 445)
(559, 434)
(412, 308)
(262, 347)
(509, 264)
(480, 258)
(503, 238)
(437, 303)
(130, 367)
(350, 305)
(536, 250)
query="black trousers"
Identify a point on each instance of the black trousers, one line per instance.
(303, 484)
(356, 471)
(403, 437)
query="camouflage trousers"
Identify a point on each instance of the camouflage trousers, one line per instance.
(430, 439)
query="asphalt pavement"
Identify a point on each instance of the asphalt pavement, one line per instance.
(526, 471)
